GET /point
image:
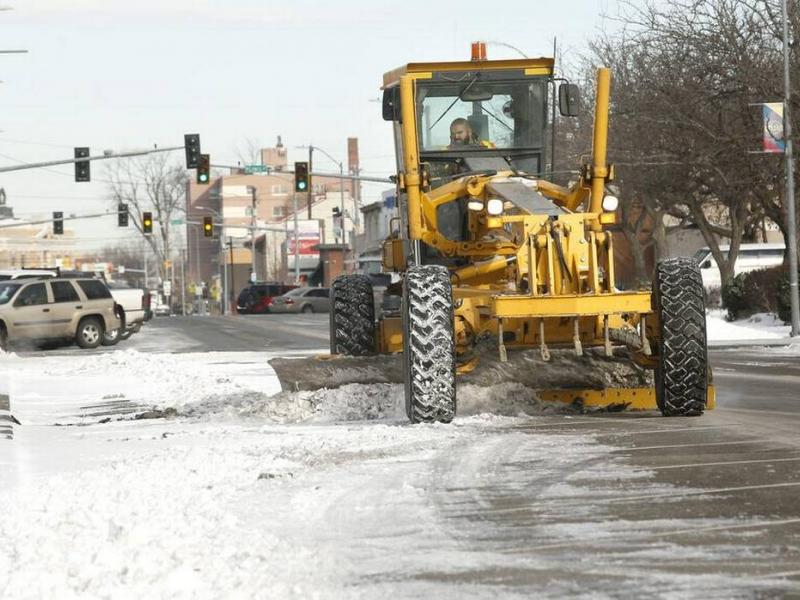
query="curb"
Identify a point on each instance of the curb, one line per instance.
(750, 343)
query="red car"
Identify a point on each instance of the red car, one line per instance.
(256, 299)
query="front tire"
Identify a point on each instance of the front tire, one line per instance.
(307, 309)
(429, 357)
(352, 316)
(90, 333)
(681, 376)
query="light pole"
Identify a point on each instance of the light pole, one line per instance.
(253, 276)
(341, 190)
(791, 220)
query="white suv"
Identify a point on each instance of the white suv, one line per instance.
(79, 309)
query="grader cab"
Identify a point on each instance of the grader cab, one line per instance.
(487, 247)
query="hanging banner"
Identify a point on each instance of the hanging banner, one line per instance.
(773, 127)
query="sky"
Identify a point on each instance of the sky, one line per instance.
(121, 75)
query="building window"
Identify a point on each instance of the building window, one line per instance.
(278, 190)
(278, 211)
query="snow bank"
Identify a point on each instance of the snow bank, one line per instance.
(761, 326)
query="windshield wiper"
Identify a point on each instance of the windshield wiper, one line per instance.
(503, 123)
(453, 103)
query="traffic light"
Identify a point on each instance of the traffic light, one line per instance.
(122, 215)
(58, 223)
(82, 170)
(203, 169)
(208, 227)
(191, 144)
(302, 181)
(147, 223)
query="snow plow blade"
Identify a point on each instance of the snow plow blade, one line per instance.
(591, 380)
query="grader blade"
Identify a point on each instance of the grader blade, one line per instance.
(590, 380)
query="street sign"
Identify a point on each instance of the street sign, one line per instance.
(121, 269)
(176, 221)
(250, 169)
(167, 288)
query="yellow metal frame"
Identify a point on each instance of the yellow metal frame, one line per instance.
(632, 398)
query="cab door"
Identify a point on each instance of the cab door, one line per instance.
(31, 312)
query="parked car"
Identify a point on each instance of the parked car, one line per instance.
(134, 303)
(162, 310)
(303, 300)
(751, 257)
(54, 309)
(257, 298)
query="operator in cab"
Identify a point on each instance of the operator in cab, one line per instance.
(461, 134)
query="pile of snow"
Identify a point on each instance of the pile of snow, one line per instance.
(761, 326)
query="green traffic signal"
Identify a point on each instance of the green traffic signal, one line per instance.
(203, 169)
(301, 177)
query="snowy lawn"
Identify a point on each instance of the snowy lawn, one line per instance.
(761, 326)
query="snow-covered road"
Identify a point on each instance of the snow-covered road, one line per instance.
(245, 492)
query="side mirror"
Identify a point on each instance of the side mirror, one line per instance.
(569, 99)
(391, 104)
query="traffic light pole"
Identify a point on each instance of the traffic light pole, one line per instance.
(296, 248)
(43, 221)
(70, 161)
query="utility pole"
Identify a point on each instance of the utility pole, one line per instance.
(791, 219)
(296, 244)
(253, 276)
(233, 272)
(310, 187)
(184, 253)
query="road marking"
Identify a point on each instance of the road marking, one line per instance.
(583, 542)
(730, 462)
(764, 412)
(564, 501)
(665, 430)
(756, 441)
(676, 494)
(784, 574)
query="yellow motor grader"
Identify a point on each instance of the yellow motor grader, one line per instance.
(486, 246)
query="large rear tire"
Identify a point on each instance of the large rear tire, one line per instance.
(352, 316)
(428, 345)
(682, 371)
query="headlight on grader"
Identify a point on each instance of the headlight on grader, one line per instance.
(610, 203)
(494, 206)
(475, 204)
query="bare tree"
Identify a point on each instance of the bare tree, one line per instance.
(154, 184)
(687, 73)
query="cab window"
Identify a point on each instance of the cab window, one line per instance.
(32, 295)
(470, 114)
